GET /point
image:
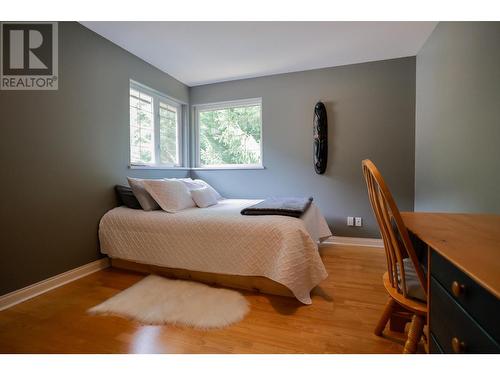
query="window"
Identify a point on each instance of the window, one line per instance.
(155, 128)
(229, 134)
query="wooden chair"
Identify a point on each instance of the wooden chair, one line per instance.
(404, 280)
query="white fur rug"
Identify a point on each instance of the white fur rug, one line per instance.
(157, 300)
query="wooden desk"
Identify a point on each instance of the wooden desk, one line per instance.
(461, 254)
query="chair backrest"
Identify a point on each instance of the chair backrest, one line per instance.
(397, 242)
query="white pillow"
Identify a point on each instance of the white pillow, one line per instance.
(190, 183)
(198, 184)
(145, 199)
(171, 194)
(203, 197)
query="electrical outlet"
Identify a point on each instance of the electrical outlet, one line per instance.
(350, 221)
(358, 222)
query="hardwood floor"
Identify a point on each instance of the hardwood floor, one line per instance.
(345, 310)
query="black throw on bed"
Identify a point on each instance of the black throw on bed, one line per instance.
(294, 207)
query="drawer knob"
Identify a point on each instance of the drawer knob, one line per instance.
(457, 289)
(457, 345)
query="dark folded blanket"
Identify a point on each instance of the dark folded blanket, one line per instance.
(294, 207)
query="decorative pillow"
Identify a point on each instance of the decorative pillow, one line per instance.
(147, 202)
(197, 184)
(126, 197)
(203, 197)
(171, 194)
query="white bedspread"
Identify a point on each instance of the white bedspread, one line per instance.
(219, 239)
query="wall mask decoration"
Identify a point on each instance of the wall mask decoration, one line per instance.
(320, 138)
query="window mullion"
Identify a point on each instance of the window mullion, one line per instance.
(156, 117)
(197, 140)
(179, 130)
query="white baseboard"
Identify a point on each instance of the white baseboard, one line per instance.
(355, 241)
(18, 296)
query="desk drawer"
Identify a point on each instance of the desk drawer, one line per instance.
(449, 321)
(479, 303)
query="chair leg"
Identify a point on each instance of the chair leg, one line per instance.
(414, 334)
(389, 307)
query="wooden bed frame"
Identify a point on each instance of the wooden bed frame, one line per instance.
(258, 284)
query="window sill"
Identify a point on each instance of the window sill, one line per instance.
(159, 167)
(239, 167)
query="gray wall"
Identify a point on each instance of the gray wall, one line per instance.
(371, 113)
(458, 119)
(62, 152)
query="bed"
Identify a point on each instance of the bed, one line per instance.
(272, 254)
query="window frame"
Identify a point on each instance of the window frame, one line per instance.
(158, 97)
(197, 108)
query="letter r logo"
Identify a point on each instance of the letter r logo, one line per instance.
(35, 41)
(28, 48)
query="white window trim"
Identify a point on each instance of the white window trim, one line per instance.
(224, 105)
(181, 121)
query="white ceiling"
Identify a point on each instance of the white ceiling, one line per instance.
(198, 53)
